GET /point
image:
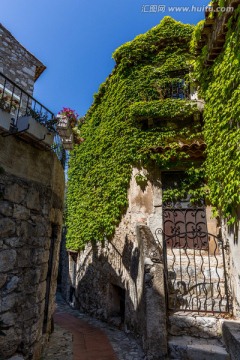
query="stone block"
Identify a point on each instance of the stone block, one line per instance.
(31, 313)
(3, 279)
(20, 212)
(7, 227)
(8, 302)
(7, 260)
(40, 256)
(41, 229)
(196, 326)
(9, 343)
(14, 242)
(12, 284)
(28, 71)
(6, 208)
(33, 200)
(8, 318)
(32, 277)
(24, 258)
(16, 357)
(14, 193)
(29, 231)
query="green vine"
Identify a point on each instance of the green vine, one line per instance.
(164, 109)
(221, 90)
(115, 139)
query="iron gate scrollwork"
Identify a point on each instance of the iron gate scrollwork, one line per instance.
(195, 275)
(194, 259)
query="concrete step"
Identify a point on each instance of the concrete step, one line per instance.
(192, 348)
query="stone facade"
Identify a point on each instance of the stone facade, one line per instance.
(122, 281)
(17, 63)
(31, 207)
(31, 204)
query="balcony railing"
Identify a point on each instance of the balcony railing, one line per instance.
(17, 102)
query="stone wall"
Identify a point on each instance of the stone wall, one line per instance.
(17, 63)
(31, 204)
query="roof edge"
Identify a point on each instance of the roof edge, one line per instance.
(40, 67)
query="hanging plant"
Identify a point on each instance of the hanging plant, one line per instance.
(71, 115)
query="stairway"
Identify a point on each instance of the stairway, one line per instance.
(195, 337)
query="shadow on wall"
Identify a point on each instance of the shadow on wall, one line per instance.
(64, 283)
(125, 288)
(104, 291)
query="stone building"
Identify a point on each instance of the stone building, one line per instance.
(17, 63)
(170, 269)
(31, 205)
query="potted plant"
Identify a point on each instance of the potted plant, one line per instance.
(67, 119)
(66, 124)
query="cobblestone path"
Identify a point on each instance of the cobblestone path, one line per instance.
(78, 336)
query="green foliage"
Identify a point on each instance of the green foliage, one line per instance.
(196, 36)
(114, 139)
(168, 33)
(164, 109)
(192, 185)
(141, 179)
(221, 91)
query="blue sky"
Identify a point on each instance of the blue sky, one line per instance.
(75, 39)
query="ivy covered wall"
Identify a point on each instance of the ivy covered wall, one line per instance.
(116, 138)
(220, 88)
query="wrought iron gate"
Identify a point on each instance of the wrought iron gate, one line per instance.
(194, 259)
(195, 272)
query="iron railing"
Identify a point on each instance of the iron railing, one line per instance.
(19, 103)
(195, 272)
(177, 90)
(178, 87)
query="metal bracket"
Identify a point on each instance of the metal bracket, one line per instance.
(41, 139)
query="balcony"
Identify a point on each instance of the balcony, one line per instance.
(23, 116)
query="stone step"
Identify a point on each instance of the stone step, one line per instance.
(231, 338)
(191, 348)
(194, 324)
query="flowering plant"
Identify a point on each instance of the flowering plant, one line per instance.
(71, 115)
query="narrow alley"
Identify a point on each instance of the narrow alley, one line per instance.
(77, 336)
